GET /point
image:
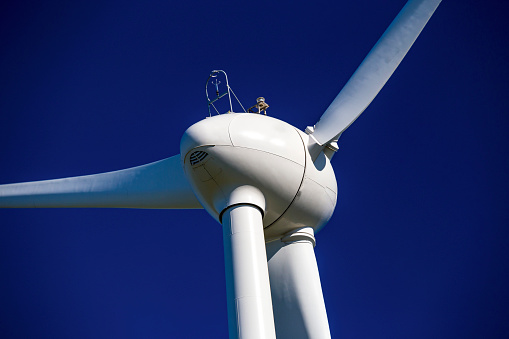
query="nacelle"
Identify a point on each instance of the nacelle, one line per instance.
(225, 152)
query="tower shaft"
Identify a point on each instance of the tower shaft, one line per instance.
(250, 313)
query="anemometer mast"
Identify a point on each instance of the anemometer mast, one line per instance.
(216, 82)
(260, 107)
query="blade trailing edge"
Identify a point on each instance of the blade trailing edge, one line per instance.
(375, 70)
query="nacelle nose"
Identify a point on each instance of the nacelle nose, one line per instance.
(222, 153)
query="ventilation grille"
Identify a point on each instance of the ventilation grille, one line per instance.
(197, 157)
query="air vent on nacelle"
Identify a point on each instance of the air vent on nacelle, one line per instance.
(197, 157)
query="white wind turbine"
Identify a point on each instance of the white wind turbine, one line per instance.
(270, 185)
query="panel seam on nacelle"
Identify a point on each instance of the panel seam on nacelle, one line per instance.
(229, 134)
(300, 185)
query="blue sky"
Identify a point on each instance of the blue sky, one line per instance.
(417, 246)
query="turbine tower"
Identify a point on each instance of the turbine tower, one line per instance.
(269, 184)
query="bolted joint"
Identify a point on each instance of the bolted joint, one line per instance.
(300, 234)
(330, 149)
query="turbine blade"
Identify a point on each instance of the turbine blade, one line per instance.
(375, 70)
(161, 184)
(297, 299)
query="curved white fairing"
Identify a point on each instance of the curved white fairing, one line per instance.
(315, 202)
(221, 153)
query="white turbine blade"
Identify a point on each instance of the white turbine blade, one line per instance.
(297, 299)
(161, 184)
(375, 70)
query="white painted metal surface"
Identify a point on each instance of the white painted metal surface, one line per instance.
(160, 184)
(375, 70)
(297, 299)
(255, 156)
(247, 278)
(267, 134)
(260, 151)
(314, 203)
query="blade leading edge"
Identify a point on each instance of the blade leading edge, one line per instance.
(375, 70)
(161, 184)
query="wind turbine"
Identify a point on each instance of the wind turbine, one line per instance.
(269, 184)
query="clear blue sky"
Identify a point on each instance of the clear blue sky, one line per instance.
(418, 244)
